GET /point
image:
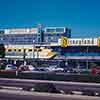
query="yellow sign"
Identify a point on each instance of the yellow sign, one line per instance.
(64, 41)
(99, 41)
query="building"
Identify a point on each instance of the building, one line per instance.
(20, 36)
(52, 34)
(32, 35)
(82, 51)
(20, 42)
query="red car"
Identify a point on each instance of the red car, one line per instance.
(26, 68)
(95, 70)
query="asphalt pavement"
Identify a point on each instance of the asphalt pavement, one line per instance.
(24, 95)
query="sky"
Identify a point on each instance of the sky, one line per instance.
(81, 16)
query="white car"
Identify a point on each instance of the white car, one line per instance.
(10, 66)
(55, 69)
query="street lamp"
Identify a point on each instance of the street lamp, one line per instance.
(33, 49)
(87, 57)
(24, 55)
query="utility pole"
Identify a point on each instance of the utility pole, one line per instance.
(87, 57)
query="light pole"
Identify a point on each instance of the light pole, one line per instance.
(87, 57)
(33, 49)
(24, 55)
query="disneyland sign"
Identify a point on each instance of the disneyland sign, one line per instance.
(82, 41)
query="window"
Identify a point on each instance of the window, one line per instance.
(19, 50)
(46, 39)
(35, 49)
(50, 30)
(14, 49)
(39, 50)
(9, 50)
(1, 31)
(60, 30)
(30, 50)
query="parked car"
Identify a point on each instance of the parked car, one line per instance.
(69, 70)
(9, 68)
(55, 69)
(95, 70)
(26, 68)
(41, 69)
(81, 69)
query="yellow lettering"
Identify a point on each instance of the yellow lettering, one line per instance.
(99, 41)
(64, 41)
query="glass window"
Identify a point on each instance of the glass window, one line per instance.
(30, 50)
(9, 50)
(19, 50)
(14, 49)
(35, 49)
(50, 30)
(39, 50)
(1, 31)
(59, 29)
(46, 39)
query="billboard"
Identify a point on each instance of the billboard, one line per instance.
(21, 31)
(64, 42)
(82, 42)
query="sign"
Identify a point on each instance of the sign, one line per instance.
(21, 31)
(99, 41)
(33, 30)
(64, 41)
(82, 41)
(18, 30)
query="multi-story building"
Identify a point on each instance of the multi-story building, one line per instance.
(33, 35)
(81, 50)
(20, 36)
(20, 42)
(52, 34)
